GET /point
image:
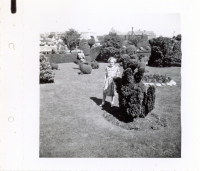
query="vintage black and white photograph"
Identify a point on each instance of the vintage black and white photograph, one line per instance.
(110, 84)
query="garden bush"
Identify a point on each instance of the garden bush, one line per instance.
(83, 45)
(131, 50)
(88, 58)
(134, 99)
(91, 41)
(156, 78)
(62, 58)
(85, 68)
(111, 46)
(46, 73)
(164, 52)
(144, 44)
(94, 64)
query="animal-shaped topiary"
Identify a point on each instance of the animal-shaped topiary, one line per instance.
(83, 45)
(85, 68)
(94, 64)
(134, 98)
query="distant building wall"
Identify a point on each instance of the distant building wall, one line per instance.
(86, 35)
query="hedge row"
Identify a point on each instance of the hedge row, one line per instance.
(62, 58)
(68, 58)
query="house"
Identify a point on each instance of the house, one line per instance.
(146, 35)
(87, 35)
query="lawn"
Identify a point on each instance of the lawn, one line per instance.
(72, 125)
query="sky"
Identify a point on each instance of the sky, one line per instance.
(84, 17)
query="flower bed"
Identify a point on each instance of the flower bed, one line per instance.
(159, 80)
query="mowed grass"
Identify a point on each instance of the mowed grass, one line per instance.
(72, 125)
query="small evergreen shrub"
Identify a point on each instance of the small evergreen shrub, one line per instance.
(85, 68)
(46, 73)
(83, 45)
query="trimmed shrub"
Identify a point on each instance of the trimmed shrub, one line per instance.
(164, 51)
(177, 54)
(46, 73)
(107, 52)
(127, 62)
(88, 58)
(131, 50)
(94, 64)
(91, 41)
(85, 68)
(62, 58)
(134, 99)
(156, 78)
(94, 52)
(83, 45)
(54, 66)
(177, 64)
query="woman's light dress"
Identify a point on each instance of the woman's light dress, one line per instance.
(109, 86)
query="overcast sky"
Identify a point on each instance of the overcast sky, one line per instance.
(102, 17)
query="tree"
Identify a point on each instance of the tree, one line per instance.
(91, 41)
(134, 41)
(111, 45)
(72, 39)
(164, 52)
(178, 37)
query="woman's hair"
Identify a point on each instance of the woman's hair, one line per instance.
(112, 59)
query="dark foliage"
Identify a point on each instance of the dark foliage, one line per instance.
(111, 46)
(156, 78)
(127, 62)
(178, 37)
(164, 51)
(134, 41)
(91, 41)
(46, 73)
(72, 39)
(134, 100)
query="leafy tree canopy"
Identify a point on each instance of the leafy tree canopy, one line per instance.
(72, 38)
(111, 45)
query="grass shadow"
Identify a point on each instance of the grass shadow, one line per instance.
(114, 111)
(77, 68)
